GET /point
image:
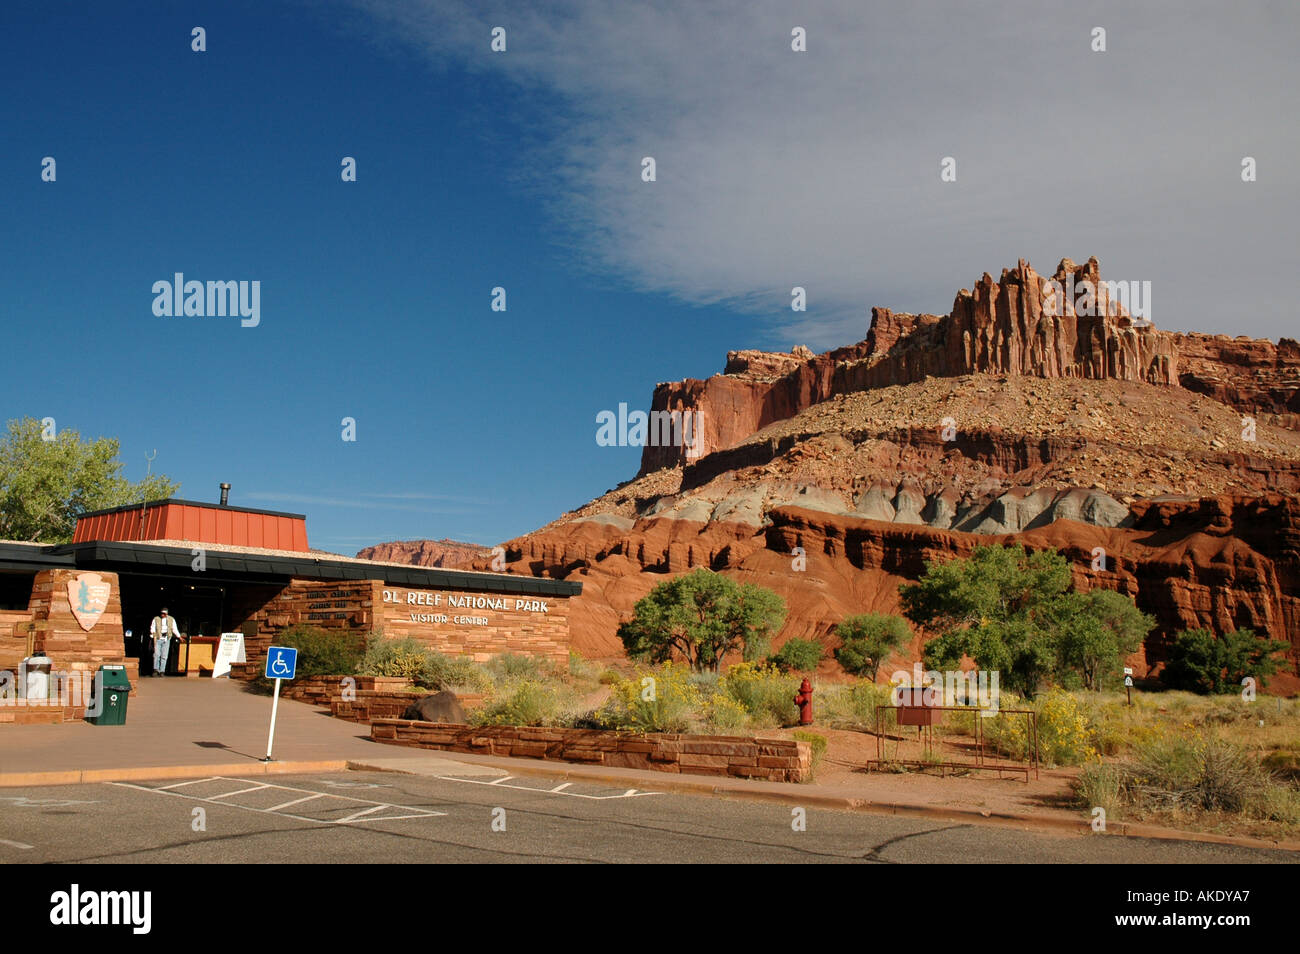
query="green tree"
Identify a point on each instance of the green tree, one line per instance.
(701, 616)
(1000, 607)
(44, 483)
(1198, 662)
(1015, 612)
(1095, 631)
(798, 655)
(867, 639)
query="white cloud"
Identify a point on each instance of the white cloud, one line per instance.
(821, 169)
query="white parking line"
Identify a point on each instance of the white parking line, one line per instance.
(404, 811)
(15, 844)
(558, 790)
(255, 788)
(305, 798)
(193, 781)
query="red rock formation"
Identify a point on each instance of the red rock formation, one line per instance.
(1002, 327)
(1216, 562)
(443, 553)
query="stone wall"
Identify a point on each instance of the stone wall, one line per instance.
(61, 637)
(483, 626)
(324, 690)
(770, 759)
(491, 624)
(348, 605)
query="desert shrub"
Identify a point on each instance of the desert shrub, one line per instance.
(653, 700)
(1196, 772)
(609, 677)
(816, 742)
(756, 649)
(766, 693)
(724, 715)
(1101, 786)
(854, 704)
(1064, 736)
(798, 655)
(1284, 763)
(580, 668)
(321, 652)
(508, 667)
(324, 652)
(411, 659)
(1278, 803)
(458, 672)
(525, 702)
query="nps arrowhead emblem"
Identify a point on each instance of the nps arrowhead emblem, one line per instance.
(88, 597)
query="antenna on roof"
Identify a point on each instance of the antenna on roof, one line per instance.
(144, 490)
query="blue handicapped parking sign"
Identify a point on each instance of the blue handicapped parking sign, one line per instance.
(281, 661)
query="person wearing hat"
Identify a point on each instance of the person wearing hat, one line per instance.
(163, 628)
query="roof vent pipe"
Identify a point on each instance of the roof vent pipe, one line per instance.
(225, 495)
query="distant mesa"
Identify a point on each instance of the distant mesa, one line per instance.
(436, 553)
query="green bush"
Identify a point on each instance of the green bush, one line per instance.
(1101, 786)
(408, 658)
(321, 652)
(526, 702)
(508, 667)
(653, 700)
(1196, 772)
(798, 655)
(723, 715)
(854, 704)
(581, 669)
(766, 693)
(1199, 662)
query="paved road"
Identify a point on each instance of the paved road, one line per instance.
(358, 817)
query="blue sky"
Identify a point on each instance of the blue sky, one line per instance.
(522, 170)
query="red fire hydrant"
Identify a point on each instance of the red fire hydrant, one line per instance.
(804, 702)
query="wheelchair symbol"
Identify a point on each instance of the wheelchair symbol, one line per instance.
(278, 666)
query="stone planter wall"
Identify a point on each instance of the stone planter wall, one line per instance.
(769, 759)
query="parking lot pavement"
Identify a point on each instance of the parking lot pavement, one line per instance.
(474, 816)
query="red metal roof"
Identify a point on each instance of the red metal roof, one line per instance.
(195, 522)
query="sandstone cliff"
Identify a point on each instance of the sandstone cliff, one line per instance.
(1001, 327)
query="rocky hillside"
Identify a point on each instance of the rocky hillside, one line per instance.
(443, 553)
(1178, 455)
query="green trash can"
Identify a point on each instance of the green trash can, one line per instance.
(108, 702)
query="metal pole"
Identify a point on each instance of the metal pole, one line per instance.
(274, 708)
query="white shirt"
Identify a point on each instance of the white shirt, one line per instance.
(163, 626)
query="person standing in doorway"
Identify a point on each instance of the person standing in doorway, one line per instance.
(162, 629)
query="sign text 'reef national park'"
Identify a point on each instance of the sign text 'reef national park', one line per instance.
(461, 601)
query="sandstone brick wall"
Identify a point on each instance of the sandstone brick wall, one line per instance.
(513, 625)
(777, 760)
(373, 697)
(60, 636)
(347, 605)
(18, 712)
(359, 606)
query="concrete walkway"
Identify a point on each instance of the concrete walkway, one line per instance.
(174, 723)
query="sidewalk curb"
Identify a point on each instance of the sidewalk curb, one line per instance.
(677, 784)
(137, 774)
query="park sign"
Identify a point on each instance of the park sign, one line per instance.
(88, 598)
